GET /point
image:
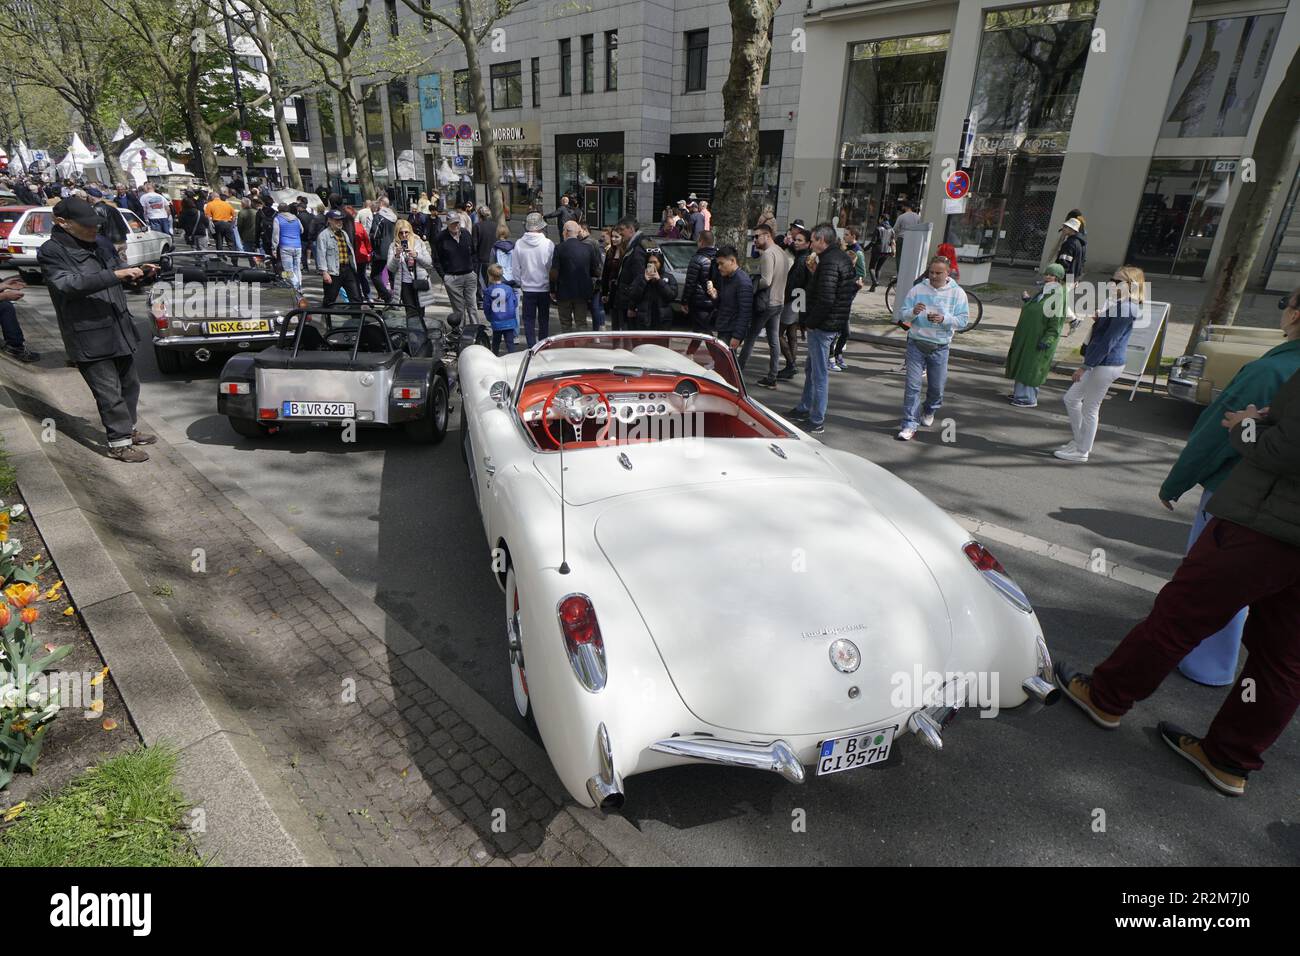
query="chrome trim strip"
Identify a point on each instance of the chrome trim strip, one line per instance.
(777, 757)
(606, 787)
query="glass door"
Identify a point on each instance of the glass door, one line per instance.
(1179, 215)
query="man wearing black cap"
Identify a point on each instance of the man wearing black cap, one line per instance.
(85, 277)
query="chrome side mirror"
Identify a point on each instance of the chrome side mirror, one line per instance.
(500, 393)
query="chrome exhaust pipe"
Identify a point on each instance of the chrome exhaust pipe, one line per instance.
(925, 727)
(606, 787)
(1040, 690)
(202, 354)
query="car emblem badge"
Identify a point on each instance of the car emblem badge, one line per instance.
(367, 379)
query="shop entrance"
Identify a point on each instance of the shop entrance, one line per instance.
(1180, 214)
(1009, 213)
(868, 189)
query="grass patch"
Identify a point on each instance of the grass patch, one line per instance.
(8, 477)
(124, 812)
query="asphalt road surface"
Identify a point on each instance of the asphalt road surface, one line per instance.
(1046, 788)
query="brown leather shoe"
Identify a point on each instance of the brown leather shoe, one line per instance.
(1078, 688)
(1231, 781)
(127, 453)
(142, 438)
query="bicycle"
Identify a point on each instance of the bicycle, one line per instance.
(973, 301)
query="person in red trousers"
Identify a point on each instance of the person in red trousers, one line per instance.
(1248, 554)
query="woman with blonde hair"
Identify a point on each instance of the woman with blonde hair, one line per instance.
(1103, 360)
(410, 264)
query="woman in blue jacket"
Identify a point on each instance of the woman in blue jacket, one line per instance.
(1103, 361)
(1207, 460)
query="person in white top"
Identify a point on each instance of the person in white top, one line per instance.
(156, 209)
(530, 264)
(366, 214)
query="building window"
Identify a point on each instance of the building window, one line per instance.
(460, 92)
(611, 59)
(771, 42)
(588, 62)
(399, 127)
(253, 62)
(296, 107)
(507, 85)
(1180, 214)
(1219, 76)
(566, 67)
(894, 88)
(1031, 67)
(537, 82)
(390, 11)
(697, 60)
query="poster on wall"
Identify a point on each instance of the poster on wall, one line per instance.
(430, 89)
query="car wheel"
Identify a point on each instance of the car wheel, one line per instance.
(169, 362)
(432, 428)
(247, 429)
(515, 647)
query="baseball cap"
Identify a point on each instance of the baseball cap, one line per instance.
(76, 210)
(94, 193)
(334, 214)
(534, 222)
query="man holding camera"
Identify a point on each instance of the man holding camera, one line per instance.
(85, 280)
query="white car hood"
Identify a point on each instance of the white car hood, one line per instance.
(745, 583)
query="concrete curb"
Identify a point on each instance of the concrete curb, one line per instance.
(154, 669)
(624, 841)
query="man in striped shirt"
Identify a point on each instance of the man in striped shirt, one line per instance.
(936, 308)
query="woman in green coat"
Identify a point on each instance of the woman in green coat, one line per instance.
(1034, 344)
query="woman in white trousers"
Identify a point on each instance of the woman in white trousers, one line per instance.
(1103, 360)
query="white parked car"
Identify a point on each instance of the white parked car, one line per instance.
(31, 226)
(690, 578)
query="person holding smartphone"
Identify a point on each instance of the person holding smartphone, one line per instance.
(410, 262)
(938, 307)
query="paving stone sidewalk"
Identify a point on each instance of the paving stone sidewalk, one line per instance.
(389, 771)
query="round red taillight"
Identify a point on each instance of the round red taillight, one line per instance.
(578, 618)
(982, 558)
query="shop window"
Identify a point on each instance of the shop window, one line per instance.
(507, 85)
(588, 62)
(611, 59)
(460, 92)
(566, 67)
(1219, 76)
(1180, 215)
(697, 60)
(1031, 66)
(894, 86)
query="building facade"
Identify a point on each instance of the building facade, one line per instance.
(618, 102)
(1141, 113)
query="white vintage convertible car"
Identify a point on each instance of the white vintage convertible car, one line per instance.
(689, 578)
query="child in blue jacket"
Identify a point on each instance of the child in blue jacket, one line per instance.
(500, 305)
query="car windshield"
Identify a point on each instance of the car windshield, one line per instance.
(678, 253)
(633, 354)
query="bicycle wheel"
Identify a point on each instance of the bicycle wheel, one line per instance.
(889, 295)
(976, 311)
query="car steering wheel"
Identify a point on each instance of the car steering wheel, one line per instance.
(584, 388)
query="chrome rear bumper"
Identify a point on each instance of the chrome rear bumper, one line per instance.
(778, 756)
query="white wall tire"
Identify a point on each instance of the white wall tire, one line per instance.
(514, 646)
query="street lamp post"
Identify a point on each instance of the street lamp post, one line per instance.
(21, 121)
(239, 100)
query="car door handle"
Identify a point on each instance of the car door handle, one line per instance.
(488, 466)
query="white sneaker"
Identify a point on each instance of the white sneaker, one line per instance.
(906, 434)
(927, 419)
(1070, 454)
(1068, 446)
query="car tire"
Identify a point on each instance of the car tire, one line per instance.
(247, 429)
(169, 362)
(432, 427)
(514, 649)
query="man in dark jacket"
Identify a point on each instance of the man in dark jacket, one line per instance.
(84, 278)
(382, 228)
(484, 234)
(699, 271)
(630, 268)
(732, 296)
(831, 285)
(1248, 554)
(565, 214)
(457, 261)
(576, 267)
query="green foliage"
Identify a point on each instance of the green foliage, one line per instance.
(124, 812)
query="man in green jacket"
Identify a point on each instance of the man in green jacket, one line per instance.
(1207, 461)
(1248, 554)
(1033, 346)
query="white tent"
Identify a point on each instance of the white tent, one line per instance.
(286, 196)
(140, 161)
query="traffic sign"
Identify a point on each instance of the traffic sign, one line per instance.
(431, 137)
(449, 131)
(447, 150)
(245, 136)
(464, 132)
(459, 161)
(957, 185)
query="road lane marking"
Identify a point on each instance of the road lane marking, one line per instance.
(1076, 559)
